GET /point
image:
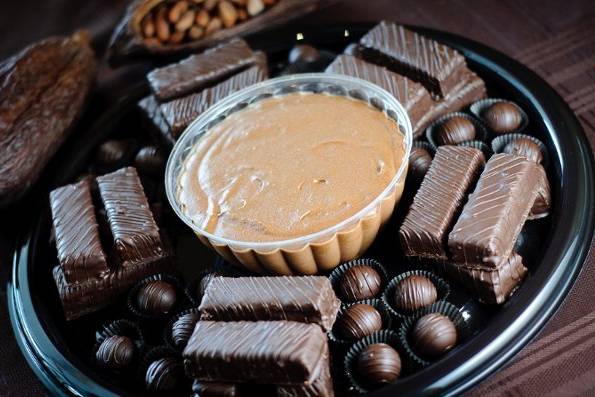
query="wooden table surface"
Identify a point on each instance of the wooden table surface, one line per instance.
(555, 38)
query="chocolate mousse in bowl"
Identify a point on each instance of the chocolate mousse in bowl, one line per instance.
(293, 175)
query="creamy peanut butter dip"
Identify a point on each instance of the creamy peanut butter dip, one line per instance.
(289, 166)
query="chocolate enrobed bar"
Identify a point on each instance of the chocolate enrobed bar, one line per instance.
(307, 299)
(272, 352)
(438, 67)
(198, 71)
(152, 113)
(438, 200)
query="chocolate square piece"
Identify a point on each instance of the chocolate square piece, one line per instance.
(438, 67)
(269, 352)
(307, 299)
(439, 199)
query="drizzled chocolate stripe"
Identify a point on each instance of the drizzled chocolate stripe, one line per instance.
(150, 109)
(77, 233)
(307, 299)
(275, 352)
(436, 66)
(413, 96)
(135, 233)
(441, 195)
(492, 219)
(179, 113)
(198, 71)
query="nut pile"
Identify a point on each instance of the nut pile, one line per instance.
(181, 21)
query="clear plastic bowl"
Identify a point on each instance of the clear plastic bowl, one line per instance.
(316, 252)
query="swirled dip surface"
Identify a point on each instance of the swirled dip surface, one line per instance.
(289, 166)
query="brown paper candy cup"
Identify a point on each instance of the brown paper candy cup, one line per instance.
(337, 274)
(478, 107)
(500, 142)
(167, 332)
(480, 145)
(481, 133)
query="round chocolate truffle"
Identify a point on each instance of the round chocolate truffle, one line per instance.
(502, 117)
(359, 320)
(455, 130)
(149, 160)
(156, 298)
(415, 292)
(163, 375)
(303, 53)
(115, 352)
(525, 147)
(434, 334)
(182, 329)
(112, 153)
(379, 364)
(419, 162)
(359, 283)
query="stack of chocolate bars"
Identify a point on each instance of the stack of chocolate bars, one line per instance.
(97, 265)
(183, 90)
(264, 333)
(428, 78)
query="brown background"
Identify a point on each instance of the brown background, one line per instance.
(555, 38)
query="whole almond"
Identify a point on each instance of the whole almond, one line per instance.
(177, 10)
(255, 7)
(186, 21)
(161, 25)
(242, 15)
(214, 25)
(152, 41)
(228, 13)
(269, 2)
(177, 37)
(148, 26)
(202, 18)
(195, 32)
(210, 4)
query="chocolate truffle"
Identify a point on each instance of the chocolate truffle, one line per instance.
(419, 162)
(524, 147)
(182, 329)
(149, 160)
(112, 153)
(502, 117)
(455, 130)
(434, 334)
(379, 364)
(156, 298)
(359, 283)
(359, 320)
(164, 375)
(414, 292)
(303, 53)
(115, 352)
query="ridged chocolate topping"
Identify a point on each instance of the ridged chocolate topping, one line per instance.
(433, 335)
(179, 113)
(415, 292)
(379, 364)
(277, 352)
(77, 233)
(494, 215)
(308, 299)
(438, 200)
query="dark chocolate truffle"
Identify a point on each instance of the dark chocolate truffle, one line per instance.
(303, 53)
(379, 364)
(359, 320)
(434, 334)
(502, 117)
(156, 298)
(115, 352)
(455, 130)
(182, 329)
(149, 160)
(359, 283)
(415, 292)
(112, 153)
(164, 375)
(524, 147)
(419, 162)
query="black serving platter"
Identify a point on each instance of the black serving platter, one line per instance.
(554, 248)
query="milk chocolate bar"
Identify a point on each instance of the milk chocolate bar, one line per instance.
(307, 299)
(492, 219)
(272, 352)
(321, 387)
(440, 197)
(543, 201)
(179, 113)
(438, 67)
(149, 107)
(78, 243)
(413, 96)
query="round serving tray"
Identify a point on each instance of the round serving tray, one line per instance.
(51, 349)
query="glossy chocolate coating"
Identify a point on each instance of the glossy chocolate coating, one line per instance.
(163, 375)
(149, 160)
(419, 162)
(455, 130)
(379, 364)
(434, 334)
(182, 329)
(502, 117)
(115, 352)
(156, 298)
(415, 292)
(525, 147)
(358, 321)
(359, 283)
(112, 153)
(303, 53)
